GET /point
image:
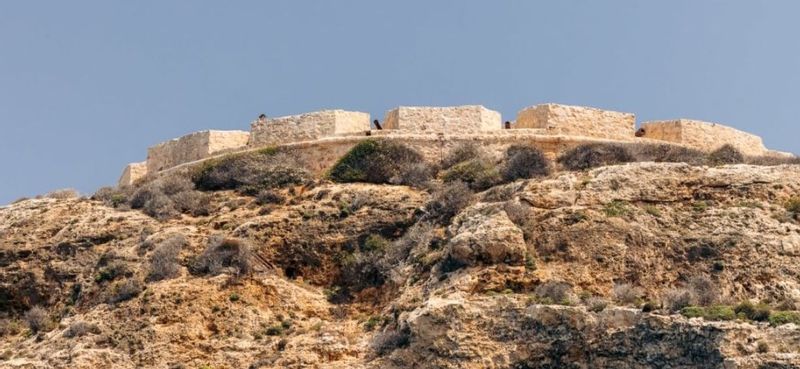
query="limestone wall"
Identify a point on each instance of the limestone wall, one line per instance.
(195, 146)
(132, 173)
(703, 135)
(555, 119)
(454, 119)
(307, 127)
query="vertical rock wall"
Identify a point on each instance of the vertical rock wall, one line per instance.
(703, 135)
(448, 120)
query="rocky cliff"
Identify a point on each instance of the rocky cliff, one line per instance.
(641, 265)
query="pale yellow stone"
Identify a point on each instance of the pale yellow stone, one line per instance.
(556, 119)
(192, 147)
(308, 127)
(704, 136)
(132, 173)
(448, 120)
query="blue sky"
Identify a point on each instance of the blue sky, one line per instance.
(87, 86)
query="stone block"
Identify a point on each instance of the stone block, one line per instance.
(450, 120)
(308, 127)
(132, 173)
(555, 119)
(194, 146)
(703, 135)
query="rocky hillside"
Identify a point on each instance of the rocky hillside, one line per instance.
(637, 265)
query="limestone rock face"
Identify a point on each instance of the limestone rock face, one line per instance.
(484, 234)
(355, 276)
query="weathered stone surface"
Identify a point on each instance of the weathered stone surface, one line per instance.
(308, 127)
(484, 234)
(703, 135)
(132, 173)
(449, 120)
(195, 146)
(557, 119)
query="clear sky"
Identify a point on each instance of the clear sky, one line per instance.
(87, 86)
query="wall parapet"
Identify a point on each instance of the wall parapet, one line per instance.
(704, 136)
(307, 127)
(451, 119)
(556, 119)
(194, 146)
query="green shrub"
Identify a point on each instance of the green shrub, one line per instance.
(112, 196)
(223, 255)
(461, 153)
(523, 162)
(727, 154)
(596, 304)
(793, 205)
(769, 160)
(479, 174)
(375, 242)
(250, 173)
(759, 313)
(595, 155)
(113, 270)
(380, 161)
(711, 313)
(649, 306)
(616, 208)
(784, 317)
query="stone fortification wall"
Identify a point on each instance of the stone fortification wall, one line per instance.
(132, 173)
(195, 146)
(555, 119)
(703, 135)
(454, 119)
(308, 127)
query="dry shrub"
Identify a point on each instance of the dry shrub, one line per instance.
(125, 290)
(381, 161)
(677, 299)
(167, 197)
(266, 197)
(250, 173)
(772, 160)
(596, 304)
(448, 201)
(554, 292)
(665, 153)
(461, 153)
(164, 260)
(63, 194)
(595, 155)
(518, 213)
(389, 340)
(81, 328)
(727, 154)
(627, 294)
(115, 197)
(38, 319)
(223, 255)
(523, 162)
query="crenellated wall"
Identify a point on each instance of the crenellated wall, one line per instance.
(703, 135)
(320, 138)
(307, 127)
(555, 119)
